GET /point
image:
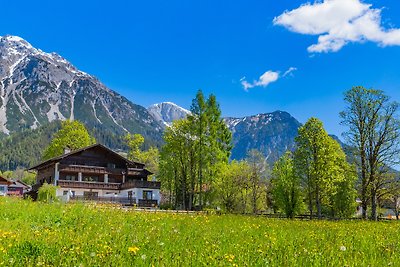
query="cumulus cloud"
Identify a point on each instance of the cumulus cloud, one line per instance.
(337, 23)
(265, 79)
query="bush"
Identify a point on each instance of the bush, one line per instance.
(47, 193)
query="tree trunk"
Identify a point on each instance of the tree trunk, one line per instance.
(364, 184)
(364, 206)
(318, 202)
(374, 205)
(310, 206)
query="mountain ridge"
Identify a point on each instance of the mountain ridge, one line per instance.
(38, 87)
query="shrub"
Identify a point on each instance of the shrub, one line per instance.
(47, 193)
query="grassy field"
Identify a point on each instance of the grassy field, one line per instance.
(36, 234)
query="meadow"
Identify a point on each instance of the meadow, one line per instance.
(38, 234)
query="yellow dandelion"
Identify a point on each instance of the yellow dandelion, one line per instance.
(133, 249)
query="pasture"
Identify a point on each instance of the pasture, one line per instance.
(38, 234)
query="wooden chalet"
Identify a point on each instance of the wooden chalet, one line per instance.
(98, 173)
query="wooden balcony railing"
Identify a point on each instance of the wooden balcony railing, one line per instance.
(89, 185)
(110, 186)
(83, 169)
(141, 184)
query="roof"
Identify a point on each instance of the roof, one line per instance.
(20, 184)
(58, 158)
(5, 181)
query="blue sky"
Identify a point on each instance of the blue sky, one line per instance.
(154, 51)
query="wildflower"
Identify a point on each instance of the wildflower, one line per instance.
(144, 257)
(133, 249)
(342, 248)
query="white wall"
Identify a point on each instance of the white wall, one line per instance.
(137, 193)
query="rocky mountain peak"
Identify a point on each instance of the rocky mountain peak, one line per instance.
(38, 87)
(167, 112)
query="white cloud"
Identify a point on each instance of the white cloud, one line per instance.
(289, 71)
(337, 23)
(265, 79)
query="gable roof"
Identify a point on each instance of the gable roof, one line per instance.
(20, 184)
(5, 181)
(58, 158)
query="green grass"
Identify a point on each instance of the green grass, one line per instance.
(36, 234)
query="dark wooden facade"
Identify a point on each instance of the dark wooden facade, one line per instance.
(94, 168)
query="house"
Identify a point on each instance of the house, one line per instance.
(18, 188)
(98, 173)
(4, 184)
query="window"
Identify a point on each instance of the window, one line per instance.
(111, 165)
(69, 177)
(90, 178)
(3, 188)
(147, 195)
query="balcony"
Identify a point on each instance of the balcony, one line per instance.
(141, 184)
(82, 169)
(110, 186)
(89, 185)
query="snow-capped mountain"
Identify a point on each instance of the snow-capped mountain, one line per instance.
(167, 112)
(271, 133)
(38, 87)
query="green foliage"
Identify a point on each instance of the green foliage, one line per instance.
(257, 184)
(229, 185)
(321, 165)
(47, 193)
(149, 157)
(21, 175)
(286, 188)
(24, 149)
(193, 149)
(34, 233)
(72, 135)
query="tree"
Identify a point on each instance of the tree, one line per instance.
(149, 157)
(178, 167)
(257, 177)
(373, 129)
(286, 186)
(321, 165)
(193, 149)
(228, 184)
(73, 135)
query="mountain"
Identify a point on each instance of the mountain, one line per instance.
(37, 88)
(167, 112)
(271, 133)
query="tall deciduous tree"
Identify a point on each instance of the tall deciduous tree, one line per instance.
(321, 165)
(286, 188)
(72, 135)
(374, 131)
(257, 177)
(193, 149)
(228, 184)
